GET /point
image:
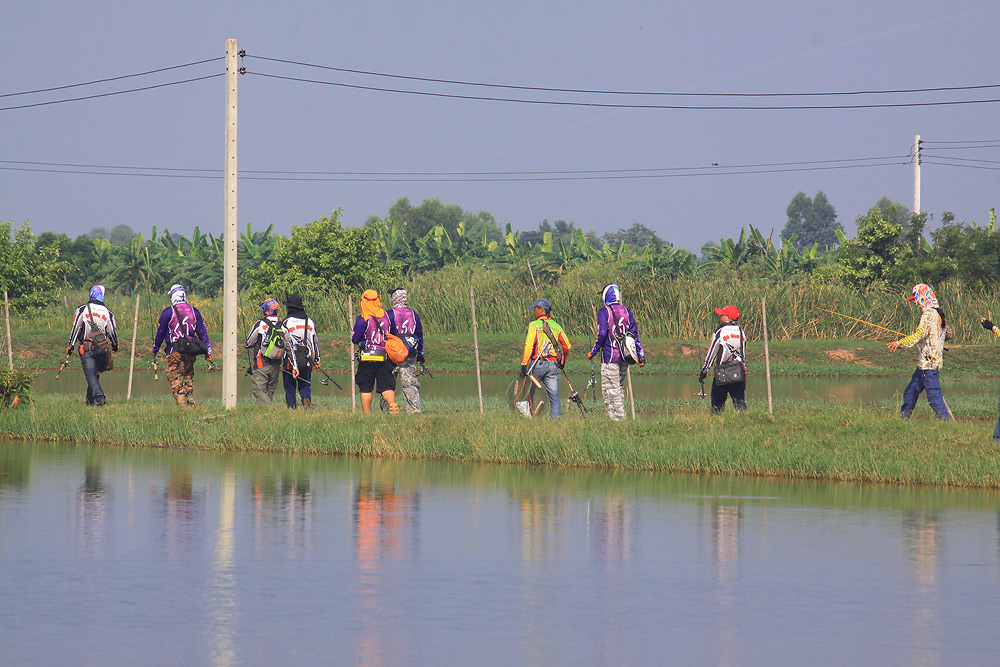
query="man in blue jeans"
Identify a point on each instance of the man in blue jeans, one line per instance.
(90, 318)
(545, 350)
(929, 339)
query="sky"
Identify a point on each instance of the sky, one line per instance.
(680, 171)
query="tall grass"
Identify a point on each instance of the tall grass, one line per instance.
(678, 308)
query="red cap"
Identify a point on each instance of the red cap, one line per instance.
(732, 312)
(911, 297)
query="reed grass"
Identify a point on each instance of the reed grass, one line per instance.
(810, 441)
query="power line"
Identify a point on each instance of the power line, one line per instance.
(117, 92)
(464, 173)
(960, 159)
(113, 78)
(972, 141)
(430, 178)
(963, 148)
(623, 92)
(965, 166)
(625, 106)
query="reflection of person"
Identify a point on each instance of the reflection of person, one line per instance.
(180, 320)
(370, 331)
(88, 319)
(545, 350)
(613, 321)
(729, 344)
(929, 339)
(989, 326)
(266, 371)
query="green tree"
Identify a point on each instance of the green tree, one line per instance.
(870, 256)
(811, 221)
(31, 274)
(638, 236)
(324, 256)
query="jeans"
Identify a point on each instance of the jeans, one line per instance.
(303, 385)
(548, 373)
(996, 431)
(719, 394)
(92, 367)
(920, 381)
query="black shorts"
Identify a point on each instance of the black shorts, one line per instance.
(370, 371)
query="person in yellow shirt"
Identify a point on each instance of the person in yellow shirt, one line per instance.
(545, 350)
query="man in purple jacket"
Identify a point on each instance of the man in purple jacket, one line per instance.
(181, 320)
(614, 321)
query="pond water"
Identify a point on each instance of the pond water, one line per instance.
(157, 556)
(463, 385)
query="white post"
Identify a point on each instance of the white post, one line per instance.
(767, 355)
(229, 310)
(631, 396)
(475, 345)
(350, 349)
(135, 331)
(6, 317)
(916, 174)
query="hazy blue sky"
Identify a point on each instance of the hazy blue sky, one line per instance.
(760, 47)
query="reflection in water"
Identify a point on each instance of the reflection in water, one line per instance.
(284, 504)
(923, 545)
(611, 536)
(727, 525)
(611, 531)
(221, 602)
(181, 512)
(382, 534)
(92, 507)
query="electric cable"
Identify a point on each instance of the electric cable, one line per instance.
(117, 92)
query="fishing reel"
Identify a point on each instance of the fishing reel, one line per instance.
(422, 370)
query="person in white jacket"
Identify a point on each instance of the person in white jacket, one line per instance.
(728, 346)
(90, 318)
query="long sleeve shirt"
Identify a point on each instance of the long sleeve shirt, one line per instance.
(168, 333)
(605, 343)
(302, 332)
(405, 323)
(257, 336)
(929, 339)
(538, 345)
(728, 344)
(82, 328)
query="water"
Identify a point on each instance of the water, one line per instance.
(156, 556)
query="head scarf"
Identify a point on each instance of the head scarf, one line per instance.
(612, 294)
(924, 296)
(270, 307)
(293, 303)
(371, 304)
(97, 293)
(398, 298)
(177, 294)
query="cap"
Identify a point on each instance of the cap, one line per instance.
(732, 312)
(911, 297)
(542, 303)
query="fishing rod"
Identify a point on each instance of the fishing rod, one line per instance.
(156, 370)
(69, 351)
(574, 396)
(329, 379)
(422, 370)
(856, 319)
(701, 394)
(592, 382)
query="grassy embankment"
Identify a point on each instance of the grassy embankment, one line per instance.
(804, 440)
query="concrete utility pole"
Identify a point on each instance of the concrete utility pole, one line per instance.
(229, 301)
(916, 174)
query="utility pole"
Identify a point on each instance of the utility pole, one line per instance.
(916, 174)
(229, 311)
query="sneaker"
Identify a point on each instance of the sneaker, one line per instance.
(100, 401)
(393, 408)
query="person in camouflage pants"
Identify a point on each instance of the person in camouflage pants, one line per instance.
(405, 323)
(180, 320)
(180, 374)
(614, 320)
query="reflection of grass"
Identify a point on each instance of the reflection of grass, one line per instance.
(804, 440)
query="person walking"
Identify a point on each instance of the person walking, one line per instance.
(545, 350)
(266, 369)
(615, 323)
(929, 339)
(374, 367)
(405, 323)
(728, 351)
(303, 354)
(989, 326)
(181, 326)
(90, 319)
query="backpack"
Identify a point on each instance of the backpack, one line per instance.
(273, 344)
(623, 340)
(395, 348)
(187, 344)
(99, 340)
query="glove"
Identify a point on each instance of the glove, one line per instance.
(524, 370)
(701, 376)
(590, 355)
(642, 361)
(560, 365)
(987, 324)
(420, 358)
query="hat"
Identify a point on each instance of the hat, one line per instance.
(732, 312)
(270, 307)
(177, 294)
(542, 303)
(97, 293)
(612, 295)
(924, 296)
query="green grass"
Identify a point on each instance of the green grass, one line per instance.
(804, 440)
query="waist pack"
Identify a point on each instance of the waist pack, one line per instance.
(372, 355)
(99, 341)
(303, 359)
(731, 372)
(192, 346)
